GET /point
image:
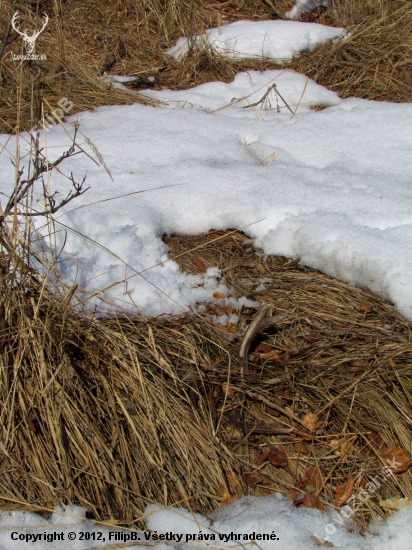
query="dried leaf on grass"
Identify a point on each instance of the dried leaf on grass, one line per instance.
(309, 500)
(396, 459)
(310, 420)
(200, 266)
(343, 492)
(278, 456)
(315, 476)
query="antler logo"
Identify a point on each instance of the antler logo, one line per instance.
(29, 40)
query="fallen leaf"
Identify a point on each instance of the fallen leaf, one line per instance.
(261, 459)
(231, 327)
(309, 500)
(252, 479)
(264, 348)
(396, 459)
(301, 447)
(309, 420)
(278, 457)
(272, 412)
(227, 390)
(322, 542)
(271, 357)
(261, 268)
(343, 492)
(217, 295)
(229, 311)
(365, 308)
(315, 477)
(200, 266)
(286, 395)
(342, 446)
(394, 503)
(312, 337)
(303, 435)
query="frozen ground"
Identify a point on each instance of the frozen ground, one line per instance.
(331, 185)
(266, 523)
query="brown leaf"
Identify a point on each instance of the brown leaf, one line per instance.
(286, 395)
(309, 420)
(343, 492)
(252, 479)
(231, 327)
(322, 542)
(312, 337)
(315, 477)
(272, 412)
(301, 447)
(271, 357)
(229, 311)
(261, 459)
(303, 435)
(261, 268)
(309, 500)
(230, 392)
(396, 459)
(365, 308)
(264, 348)
(199, 265)
(217, 295)
(278, 457)
(342, 446)
(30, 424)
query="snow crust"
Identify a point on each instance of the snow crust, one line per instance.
(240, 524)
(330, 186)
(305, 6)
(273, 41)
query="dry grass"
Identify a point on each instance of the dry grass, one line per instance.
(83, 42)
(116, 413)
(375, 61)
(119, 412)
(96, 412)
(339, 356)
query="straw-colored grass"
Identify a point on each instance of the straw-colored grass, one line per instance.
(118, 412)
(84, 42)
(96, 412)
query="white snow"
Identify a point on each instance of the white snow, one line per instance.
(268, 523)
(273, 41)
(332, 186)
(305, 6)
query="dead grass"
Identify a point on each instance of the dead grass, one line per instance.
(116, 413)
(84, 41)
